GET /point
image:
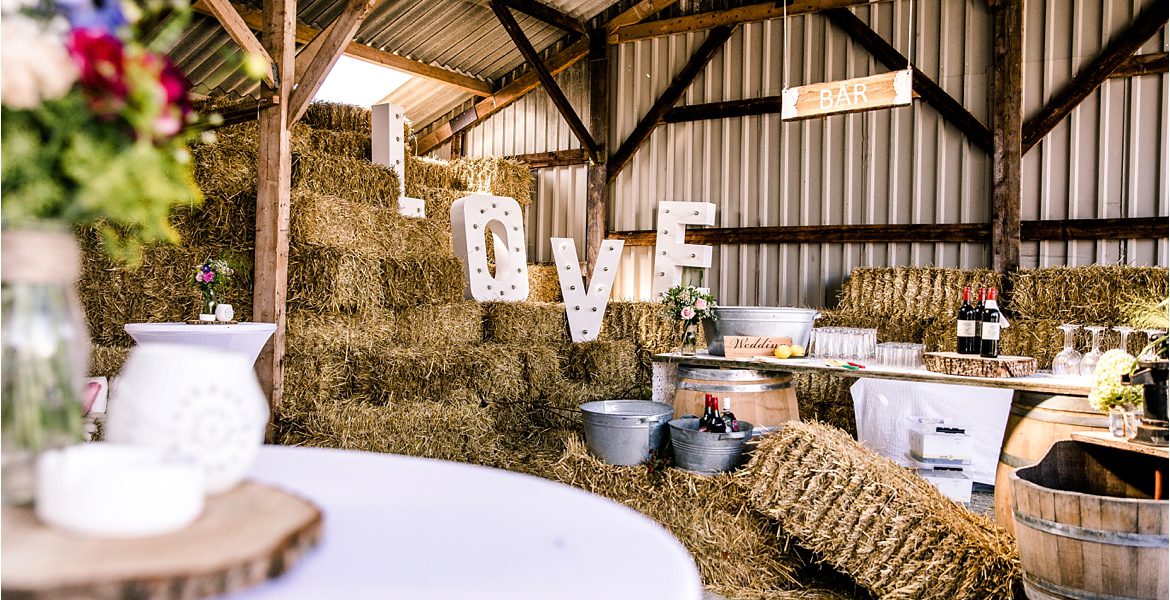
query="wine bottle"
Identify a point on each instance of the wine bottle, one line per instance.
(968, 343)
(718, 425)
(729, 417)
(979, 318)
(989, 334)
(705, 420)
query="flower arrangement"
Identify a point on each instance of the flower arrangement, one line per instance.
(210, 277)
(1108, 391)
(689, 305)
(96, 121)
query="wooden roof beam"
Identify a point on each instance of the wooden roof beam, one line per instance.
(670, 96)
(1117, 53)
(548, 14)
(637, 13)
(316, 59)
(726, 18)
(305, 34)
(1142, 64)
(238, 30)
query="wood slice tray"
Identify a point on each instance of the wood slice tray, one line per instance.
(199, 322)
(244, 537)
(953, 363)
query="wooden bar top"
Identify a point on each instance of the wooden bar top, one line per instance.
(1104, 438)
(1040, 382)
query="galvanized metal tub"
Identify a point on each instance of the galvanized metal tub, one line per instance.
(623, 432)
(703, 452)
(762, 321)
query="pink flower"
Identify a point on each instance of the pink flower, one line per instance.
(700, 304)
(101, 59)
(208, 277)
(687, 313)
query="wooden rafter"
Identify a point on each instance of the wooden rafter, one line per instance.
(238, 30)
(885, 53)
(1142, 64)
(546, 78)
(505, 96)
(678, 86)
(244, 111)
(548, 14)
(305, 34)
(728, 17)
(557, 158)
(724, 110)
(322, 53)
(1007, 119)
(637, 13)
(1031, 231)
(1120, 49)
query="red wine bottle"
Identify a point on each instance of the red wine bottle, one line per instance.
(968, 340)
(989, 333)
(729, 417)
(718, 425)
(979, 318)
(705, 420)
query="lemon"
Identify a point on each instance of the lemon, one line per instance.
(783, 352)
(798, 351)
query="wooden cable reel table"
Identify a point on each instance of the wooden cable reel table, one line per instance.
(244, 537)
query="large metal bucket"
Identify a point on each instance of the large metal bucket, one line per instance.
(703, 452)
(623, 432)
(760, 321)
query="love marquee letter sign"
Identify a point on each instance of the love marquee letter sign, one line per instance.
(585, 301)
(671, 253)
(472, 218)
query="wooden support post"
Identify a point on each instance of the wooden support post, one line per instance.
(1117, 53)
(885, 53)
(548, 14)
(1007, 120)
(457, 144)
(317, 58)
(546, 78)
(673, 92)
(596, 182)
(274, 176)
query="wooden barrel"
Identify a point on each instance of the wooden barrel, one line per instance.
(1088, 524)
(765, 399)
(1036, 422)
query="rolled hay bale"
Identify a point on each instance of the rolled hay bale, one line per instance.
(609, 366)
(883, 525)
(738, 552)
(535, 323)
(495, 175)
(890, 328)
(335, 116)
(434, 279)
(1088, 295)
(353, 179)
(398, 373)
(825, 398)
(544, 284)
(440, 325)
(106, 361)
(347, 144)
(335, 279)
(424, 173)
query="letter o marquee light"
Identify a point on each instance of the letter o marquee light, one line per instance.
(471, 217)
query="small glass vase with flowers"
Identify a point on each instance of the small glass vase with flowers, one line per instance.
(689, 305)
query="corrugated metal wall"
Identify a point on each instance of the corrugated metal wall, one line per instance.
(893, 166)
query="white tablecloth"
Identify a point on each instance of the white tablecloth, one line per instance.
(403, 527)
(883, 409)
(245, 338)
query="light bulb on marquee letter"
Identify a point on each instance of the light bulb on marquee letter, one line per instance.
(671, 253)
(585, 302)
(471, 217)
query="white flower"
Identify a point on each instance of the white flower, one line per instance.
(34, 65)
(1108, 390)
(687, 313)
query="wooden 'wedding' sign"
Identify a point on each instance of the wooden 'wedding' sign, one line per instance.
(847, 96)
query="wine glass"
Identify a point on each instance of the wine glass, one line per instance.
(1068, 361)
(1149, 353)
(1089, 361)
(1124, 331)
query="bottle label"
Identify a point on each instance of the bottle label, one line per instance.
(991, 331)
(966, 329)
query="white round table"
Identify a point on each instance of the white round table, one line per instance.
(403, 527)
(245, 338)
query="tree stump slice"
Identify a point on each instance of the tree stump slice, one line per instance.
(244, 537)
(953, 363)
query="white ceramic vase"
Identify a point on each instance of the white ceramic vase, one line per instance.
(196, 403)
(224, 312)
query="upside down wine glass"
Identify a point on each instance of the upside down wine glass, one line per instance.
(1089, 361)
(1068, 361)
(1124, 331)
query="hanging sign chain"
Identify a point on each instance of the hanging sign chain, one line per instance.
(910, 39)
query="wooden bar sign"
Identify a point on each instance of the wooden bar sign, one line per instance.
(848, 96)
(749, 345)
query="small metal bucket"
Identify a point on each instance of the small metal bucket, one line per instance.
(702, 452)
(623, 432)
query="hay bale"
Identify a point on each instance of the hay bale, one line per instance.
(609, 366)
(334, 279)
(224, 221)
(321, 346)
(825, 398)
(424, 174)
(495, 175)
(438, 202)
(543, 368)
(642, 323)
(535, 323)
(885, 526)
(440, 324)
(737, 551)
(353, 179)
(395, 374)
(544, 284)
(225, 169)
(890, 328)
(909, 292)
(106, 361)
(434, 279)
(320, 220)
(418, 239)
(340, 117)
(1089, 295)
(346, 144)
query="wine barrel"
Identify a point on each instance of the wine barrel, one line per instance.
(766, 399)
(1088, 524)
(1037, 421)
